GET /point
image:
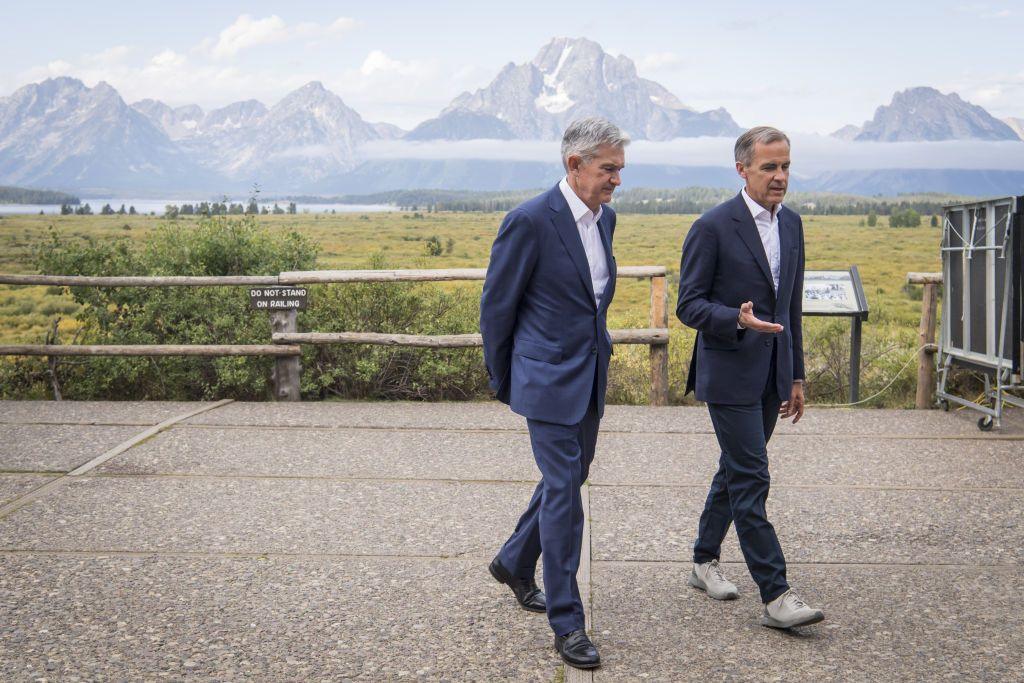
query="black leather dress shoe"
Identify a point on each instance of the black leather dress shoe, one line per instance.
(577, 650)
(527, 594)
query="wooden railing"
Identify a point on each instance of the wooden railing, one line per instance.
(284, 324)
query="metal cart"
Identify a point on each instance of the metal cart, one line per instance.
(981, 310)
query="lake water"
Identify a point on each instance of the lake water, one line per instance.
(157, 206)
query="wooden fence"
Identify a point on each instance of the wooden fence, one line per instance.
(287, 340)
(926, 337)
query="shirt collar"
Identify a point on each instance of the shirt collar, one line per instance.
(756, 209)
(576, 206)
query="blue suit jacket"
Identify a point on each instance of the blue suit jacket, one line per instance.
(723, 265)
(545, 340)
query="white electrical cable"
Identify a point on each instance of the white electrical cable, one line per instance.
(879, 393)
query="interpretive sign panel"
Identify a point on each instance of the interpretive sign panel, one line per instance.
(834, 292)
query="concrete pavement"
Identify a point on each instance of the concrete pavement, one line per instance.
(349, 541)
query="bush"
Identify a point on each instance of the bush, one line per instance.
(907, 218)
(167, 315)
(383, 372)
(221, 315)
(433, 246)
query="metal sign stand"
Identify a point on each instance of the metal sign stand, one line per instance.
(839, 293)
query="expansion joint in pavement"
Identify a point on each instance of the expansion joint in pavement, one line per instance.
(50, 486)
(823, 563)
(572, 674)
(213, 555)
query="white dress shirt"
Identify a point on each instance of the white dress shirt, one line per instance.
(767, 223)
(586, 224)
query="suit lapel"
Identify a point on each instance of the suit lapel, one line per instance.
(565, 226)
(786, 243)
(609, 289)
(747, 231)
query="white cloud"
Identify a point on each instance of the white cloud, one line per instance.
(167, 59)
(1001, 94)
(403, 92)
(247, 32)
(986, 94)
(202, 73)
(112, 55)
(377, 61)
(656, 61)
(311, 29)
(58, 67)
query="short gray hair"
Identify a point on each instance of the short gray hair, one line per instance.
(764, 135)
(584, 137)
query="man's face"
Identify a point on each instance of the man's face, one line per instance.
(594, 182)
(767, 175)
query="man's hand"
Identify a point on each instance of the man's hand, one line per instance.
(748, 321)
(794, 407)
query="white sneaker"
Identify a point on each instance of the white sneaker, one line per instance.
(787, 611)
(708, 577)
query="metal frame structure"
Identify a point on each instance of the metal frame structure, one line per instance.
(982, 256)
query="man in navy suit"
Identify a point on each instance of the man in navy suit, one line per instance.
(741, 287)
(543, 315)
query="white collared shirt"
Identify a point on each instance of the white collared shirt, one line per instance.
(590, 234)
(767, 223)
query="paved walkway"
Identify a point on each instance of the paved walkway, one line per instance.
(350, 541)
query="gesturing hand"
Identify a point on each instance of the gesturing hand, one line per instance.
(750, 322)
(794, 407)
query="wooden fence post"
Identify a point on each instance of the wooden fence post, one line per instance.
(926, 339)
(659, 352)
(286, 373)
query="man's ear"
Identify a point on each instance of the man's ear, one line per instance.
(574, 162)
(741, 169)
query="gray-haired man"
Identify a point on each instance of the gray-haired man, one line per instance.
(546, 346)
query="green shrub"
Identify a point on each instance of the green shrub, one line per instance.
(384, 372)
(221, 315)
(167, 315)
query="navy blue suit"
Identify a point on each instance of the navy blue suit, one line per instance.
(546, 348)
(743, 375)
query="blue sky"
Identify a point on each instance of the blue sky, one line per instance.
(806, 67)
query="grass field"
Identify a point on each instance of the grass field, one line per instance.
(883, 255)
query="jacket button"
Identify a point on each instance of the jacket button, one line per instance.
(767, 342)
(593, 350)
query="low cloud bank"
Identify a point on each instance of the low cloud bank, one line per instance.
(811, 153)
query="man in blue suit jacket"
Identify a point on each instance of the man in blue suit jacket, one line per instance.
(741, 287)
(543, 315)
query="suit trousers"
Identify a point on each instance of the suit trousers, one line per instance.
(552, 525)
(739, 491)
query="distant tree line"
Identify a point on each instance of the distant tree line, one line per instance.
(226, 209)
(693, 200)
(86, 210)
(433, 200)
(688, 200)
(23, 195)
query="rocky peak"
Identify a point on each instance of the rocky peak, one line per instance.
(567, 79)
(924, 113)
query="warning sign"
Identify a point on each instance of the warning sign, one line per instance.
(278, 298)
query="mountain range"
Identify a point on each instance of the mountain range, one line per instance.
(62, 134)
